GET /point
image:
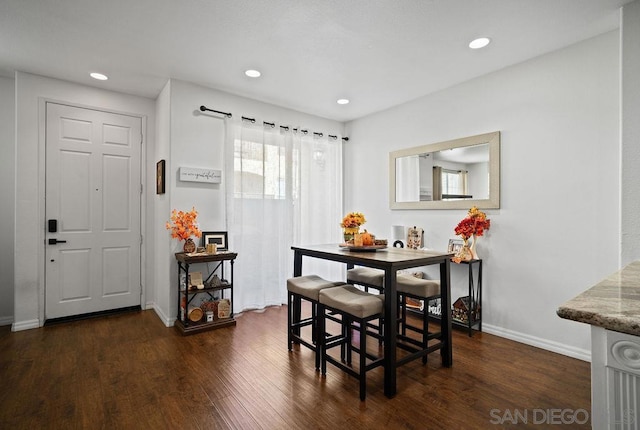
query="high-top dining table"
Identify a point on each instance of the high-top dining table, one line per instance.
(390, 260)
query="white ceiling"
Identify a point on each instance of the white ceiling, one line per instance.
(377, 53)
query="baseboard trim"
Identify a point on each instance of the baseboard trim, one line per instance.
(6, 321)
(25, 325)
(578, 353)
(166, 320)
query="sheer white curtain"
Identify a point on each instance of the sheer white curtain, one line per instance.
(283, 187)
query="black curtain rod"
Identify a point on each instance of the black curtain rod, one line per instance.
(272, 124)
(227, 114)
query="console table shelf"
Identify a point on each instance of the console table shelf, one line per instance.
(186, 294)
(473, 311)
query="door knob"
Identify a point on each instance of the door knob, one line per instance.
(54, 241)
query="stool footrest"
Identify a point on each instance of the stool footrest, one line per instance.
(415, 352)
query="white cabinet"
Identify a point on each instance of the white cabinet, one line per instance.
(615, 380)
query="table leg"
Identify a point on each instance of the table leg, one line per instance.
(296, 312)
(390, 329)
(445, 321)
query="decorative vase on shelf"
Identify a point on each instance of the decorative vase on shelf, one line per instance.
(349, 232)
(189, 245)
(465, 253)
(474, 254)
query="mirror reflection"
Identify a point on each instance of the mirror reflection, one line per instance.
(447, 175)
(456, 173)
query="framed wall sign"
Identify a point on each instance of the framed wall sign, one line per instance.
(193, 174)
(160, 171)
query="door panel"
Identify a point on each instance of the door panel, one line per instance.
(93, 190)
(115, 262)
(74, 191)
(117, 195)
(75, 277)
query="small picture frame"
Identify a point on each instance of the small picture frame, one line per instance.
(160, 173)
(455, 245)
(217, 237)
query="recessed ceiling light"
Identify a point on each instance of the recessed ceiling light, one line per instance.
(252, 73)
(98, 76)
(343, 101)
(480, 42)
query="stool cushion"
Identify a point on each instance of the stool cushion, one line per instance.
(350, 300)
(308, 286)
(366, 275)
(416, 286)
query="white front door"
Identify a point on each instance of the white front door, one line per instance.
(93, 195)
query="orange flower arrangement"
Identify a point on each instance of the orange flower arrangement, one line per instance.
(353, 220)
(183, 224)
(474, 224)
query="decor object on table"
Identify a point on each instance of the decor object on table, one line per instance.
(195, 314)
(213, 282)
(474, 225)
(460, 311)
(454, 246)
(224, 308)
(183, 226)
(351, 224)
(195, 281)
(210, 309)
(414, 237)
(398, 236)
(367, 238)
(217, 238)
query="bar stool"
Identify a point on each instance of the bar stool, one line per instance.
(298, 289)
(406, 286)
(419, 289)
(355, 306)
(367, 277)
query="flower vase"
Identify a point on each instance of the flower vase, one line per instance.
(465, 253)
(189, 245)
(474, 254)
(349, 233)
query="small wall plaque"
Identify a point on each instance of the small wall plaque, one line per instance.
(192, 174)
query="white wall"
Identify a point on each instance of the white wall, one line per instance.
(7, 196)
(31, 90)
(162, 260)
(557, 232)
(630, 157)
(197, 140)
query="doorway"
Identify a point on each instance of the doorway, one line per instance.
(93, 211)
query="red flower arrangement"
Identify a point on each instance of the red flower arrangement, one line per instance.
(474, 224)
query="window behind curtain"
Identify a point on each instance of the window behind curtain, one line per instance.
(260, 170)
(282, 189)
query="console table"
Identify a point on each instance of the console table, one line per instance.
(186, 294)
(473, 306)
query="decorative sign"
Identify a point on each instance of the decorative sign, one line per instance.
(192, 174)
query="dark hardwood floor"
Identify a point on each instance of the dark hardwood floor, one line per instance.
(131, 372)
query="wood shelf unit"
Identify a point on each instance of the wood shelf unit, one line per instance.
(186, 294)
